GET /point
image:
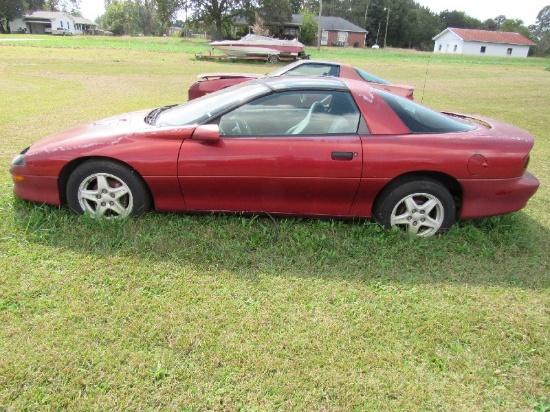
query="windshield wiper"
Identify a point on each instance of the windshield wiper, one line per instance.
(153, 114)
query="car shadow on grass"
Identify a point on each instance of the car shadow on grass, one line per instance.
(505, 250)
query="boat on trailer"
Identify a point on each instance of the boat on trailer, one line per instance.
(253, 45)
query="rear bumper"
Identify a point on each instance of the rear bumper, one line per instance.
(482, 198)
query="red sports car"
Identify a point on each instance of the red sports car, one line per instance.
(288, 146)
(212, 82)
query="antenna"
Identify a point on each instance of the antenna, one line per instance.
(426, 77)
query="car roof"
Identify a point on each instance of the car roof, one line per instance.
(303, 82)
(315, 61)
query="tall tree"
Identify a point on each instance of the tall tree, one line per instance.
(167, 9)
(68, 6)
(219, 13)
(541, 32)
(459, 19)
(275, 13)
(515, 26)
(309, 29)
(11, 9)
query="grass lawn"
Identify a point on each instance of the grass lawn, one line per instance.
(226, 313)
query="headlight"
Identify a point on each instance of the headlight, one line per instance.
(19, 160)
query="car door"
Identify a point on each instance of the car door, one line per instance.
(288, 152)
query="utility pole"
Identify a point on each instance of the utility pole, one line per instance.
(320, 29)
(366, 12)
(387, 21)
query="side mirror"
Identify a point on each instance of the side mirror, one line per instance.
(206, 133)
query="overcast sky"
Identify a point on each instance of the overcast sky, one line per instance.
(525, 10)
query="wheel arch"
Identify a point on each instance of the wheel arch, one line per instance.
(452, 185)
(70, 167)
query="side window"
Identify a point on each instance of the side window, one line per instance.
(308, 69)
(293, 113)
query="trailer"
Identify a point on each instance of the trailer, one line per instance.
(270, 58)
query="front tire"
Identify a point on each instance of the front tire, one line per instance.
(105, 189)
(422, 207)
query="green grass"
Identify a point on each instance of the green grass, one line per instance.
(213, 312)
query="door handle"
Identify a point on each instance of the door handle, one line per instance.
(342, 155)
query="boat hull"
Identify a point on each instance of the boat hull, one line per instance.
(253, 45)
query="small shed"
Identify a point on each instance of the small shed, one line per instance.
(482, 42)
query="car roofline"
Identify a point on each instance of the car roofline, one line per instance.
(284, 83)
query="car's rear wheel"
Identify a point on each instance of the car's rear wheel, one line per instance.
(422, 207)
(106, 189)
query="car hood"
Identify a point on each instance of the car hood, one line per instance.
(109, 131)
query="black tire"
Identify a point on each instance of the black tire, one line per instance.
(423, 207)
(272, 59)
(106, 189)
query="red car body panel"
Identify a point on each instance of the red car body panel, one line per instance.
(212, 82)
(292, 175)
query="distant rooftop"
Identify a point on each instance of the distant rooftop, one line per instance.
(486, 36)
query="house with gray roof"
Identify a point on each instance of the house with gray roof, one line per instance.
(335, 31)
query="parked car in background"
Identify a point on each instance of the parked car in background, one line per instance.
(302, 146)
(211, 82)
(60, 31)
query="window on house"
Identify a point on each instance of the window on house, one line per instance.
(439, 49)
(68, 26)
(61, 24)
(509, 51)
(454, 48)
(483, 49)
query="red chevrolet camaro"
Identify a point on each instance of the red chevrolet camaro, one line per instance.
(212, 82)
(287, 146)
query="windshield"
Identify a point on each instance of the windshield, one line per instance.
(201, 110)
(281, 71)
(420, 119)
(371, 77)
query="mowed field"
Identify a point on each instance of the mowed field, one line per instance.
(238, 313)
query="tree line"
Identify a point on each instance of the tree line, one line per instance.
(408, 24)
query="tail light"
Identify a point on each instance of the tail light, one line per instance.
(526, 162)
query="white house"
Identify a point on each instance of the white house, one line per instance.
(482, 42)
(51, 22)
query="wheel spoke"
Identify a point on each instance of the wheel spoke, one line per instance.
(90, 195)
(118, 192)
(100, 210)
(102, 183)
(428, 206)
(432, 223)
(410, 204)
(401, 219)
(413, 229)
(118, 208)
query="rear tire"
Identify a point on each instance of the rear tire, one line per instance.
(108, 190)
(272, 59)
(422, 207)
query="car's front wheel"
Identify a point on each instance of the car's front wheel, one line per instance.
(106, 189)
(422, 207)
